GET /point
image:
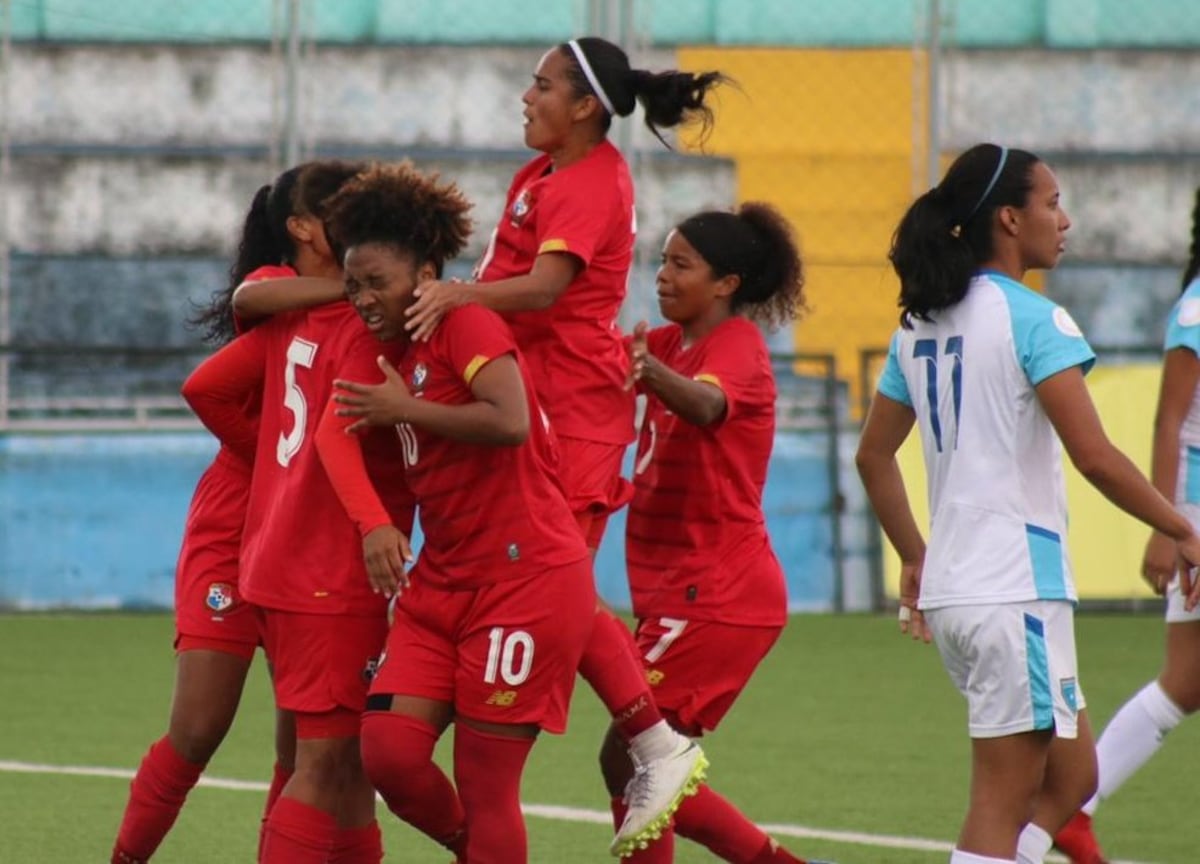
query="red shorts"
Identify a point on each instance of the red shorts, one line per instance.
(322, 666)
(504, 653)
(209, 612)
(696, 669)
(590, 473)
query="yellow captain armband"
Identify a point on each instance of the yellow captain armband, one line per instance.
(708, 378)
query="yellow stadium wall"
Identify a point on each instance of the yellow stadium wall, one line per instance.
(1105, 544)
(835, 139)
(828, 137)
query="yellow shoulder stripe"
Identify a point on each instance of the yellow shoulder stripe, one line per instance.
(477, 363)
(553, 246)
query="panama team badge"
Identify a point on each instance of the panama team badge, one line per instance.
(220, 596)
(519, 208)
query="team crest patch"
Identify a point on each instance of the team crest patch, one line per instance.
(371, 669)
(1065, 323)
(1070, 694)
(1189, 312)
(220, 596)
(519, 207)
(420, 373)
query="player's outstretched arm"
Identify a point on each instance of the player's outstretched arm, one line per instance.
(700, 403)
(1069, 407)
(550, 276)
(499, 416)
(263, 298)
(888, 424)
(218, 388)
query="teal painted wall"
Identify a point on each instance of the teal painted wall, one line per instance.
(974, 23)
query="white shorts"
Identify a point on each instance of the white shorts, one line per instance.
(1176, 614)
(1015, 664)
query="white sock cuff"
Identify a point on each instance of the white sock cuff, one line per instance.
(1162, 710)
(960, 857)
(1033, 844)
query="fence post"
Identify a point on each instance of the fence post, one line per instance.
(5, 186)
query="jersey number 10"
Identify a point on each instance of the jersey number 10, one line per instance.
(928, 350)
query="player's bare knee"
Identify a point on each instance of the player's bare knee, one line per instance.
(198, 738)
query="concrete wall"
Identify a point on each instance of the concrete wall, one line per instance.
(95, 521)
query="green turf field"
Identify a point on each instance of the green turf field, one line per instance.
(847, 729)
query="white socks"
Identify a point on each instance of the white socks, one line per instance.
(654, 743)
(1132, 736)
(960, 857)
(1033, 845)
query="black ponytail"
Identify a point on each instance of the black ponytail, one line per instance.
(669, 99)
(264, 241)
(947, 233)
(1193, 266)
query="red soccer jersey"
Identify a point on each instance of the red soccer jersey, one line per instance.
(574, 348)
(696, 541)
(488, 513)
(300, 550)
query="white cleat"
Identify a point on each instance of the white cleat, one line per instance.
(655, 793)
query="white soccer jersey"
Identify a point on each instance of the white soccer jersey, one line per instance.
(997, 501)
(1183, 331)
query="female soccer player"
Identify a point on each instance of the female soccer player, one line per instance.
(216, 631)
(992, 371)
(708, 592)
(491, 621)
(556, 268)
(322, 624)
(1137, 730)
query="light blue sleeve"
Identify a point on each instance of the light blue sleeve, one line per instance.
(891, 382)
(1183, 327)
(1047, 339)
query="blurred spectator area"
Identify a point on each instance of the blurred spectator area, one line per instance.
(137, 131)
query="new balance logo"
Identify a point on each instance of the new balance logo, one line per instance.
(502, 698)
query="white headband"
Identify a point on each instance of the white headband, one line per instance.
(591, 76)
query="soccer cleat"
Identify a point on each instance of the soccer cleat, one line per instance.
(1078, 842)
(654, 794)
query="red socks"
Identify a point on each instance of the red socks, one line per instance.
(279, 778)
(298, 833)
(397, 754)
(716, 824)
(156, 796)
(611, 666)
(708, 819)
(358, 846)
(487, 769)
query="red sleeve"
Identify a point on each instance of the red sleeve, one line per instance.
(470, 338)
(385, 466)
(270, 271)
(572, 215)
(736, 360)
(342, 457)
(261, 274)
(219, 387)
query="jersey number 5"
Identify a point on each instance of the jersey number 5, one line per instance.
(300, 353)
(928, 349)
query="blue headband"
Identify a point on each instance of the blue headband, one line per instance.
(991, 184)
